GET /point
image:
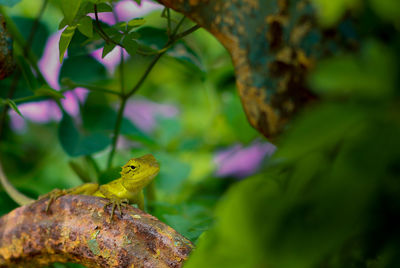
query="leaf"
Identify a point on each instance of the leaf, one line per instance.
(26, 70)
(62, 24)
(101, 7)
(138, 2)
(130, 45)
(65, 39)
(13, 106)
(70, 9)
(136, 22)
(42, 33)
(368, 75)
(90, 70)
(153, 38)
(75, 144)
(387, 9)
(82, 45)
(185, 55)
(9, 3)
(85, 26)
(331, 11)
(107, 49)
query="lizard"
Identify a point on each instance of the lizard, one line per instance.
(136, 174)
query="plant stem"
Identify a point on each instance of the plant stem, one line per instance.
(124, 97)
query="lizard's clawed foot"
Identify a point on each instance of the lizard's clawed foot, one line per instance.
(116, 202)
(52, 196)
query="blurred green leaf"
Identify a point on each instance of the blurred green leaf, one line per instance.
(107, 49)
(70, 9)
(26, 71)
(152, 38)
(65, 39)
(322, 127)
(90, 70)
(329, 12)
(185, 55)
(172, 175)
(38, 43)
(85, 26)
(9, 3)
(110, 175)
(14, 106)
(101, 7)
(371, 74)
(387, 9)
(76, 144)
(81, 45)
(130, 45)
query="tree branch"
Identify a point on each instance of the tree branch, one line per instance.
(77, 229)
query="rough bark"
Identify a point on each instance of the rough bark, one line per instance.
(6, 56)
(273, 44)
(78, 229)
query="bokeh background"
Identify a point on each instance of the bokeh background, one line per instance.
(328, 195)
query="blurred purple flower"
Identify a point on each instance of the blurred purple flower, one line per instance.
(143, 113)
(240, 162)
(50, 64)
(111, 60)
(39, 112)
(127, 9)
(46, 111)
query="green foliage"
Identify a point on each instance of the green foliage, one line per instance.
(77, 144)
(329, 195)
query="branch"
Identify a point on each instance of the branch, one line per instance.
(271, 50)
(77, 229)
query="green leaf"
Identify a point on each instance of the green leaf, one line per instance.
(153, 38)
(130, 45)
(185, 55)
(62, 24)
(26, 70)
(329, 12)
(70, 8)
(90, 70)
(9, 3)
(322, 127)
(107, 49)
(136, 22)
(101, 7)
(13, 106)
(138, 2)
(85, 26)
(387, 9)
(65, 39)
(81, 45)
(42, 33)
(371, 74)
(76, 144)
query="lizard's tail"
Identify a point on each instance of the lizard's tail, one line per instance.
(17, 196)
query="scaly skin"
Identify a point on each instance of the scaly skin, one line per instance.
(128, 189)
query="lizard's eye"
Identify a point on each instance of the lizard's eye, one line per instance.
(132, 167)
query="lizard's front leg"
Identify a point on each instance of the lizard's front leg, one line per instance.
(84, 189)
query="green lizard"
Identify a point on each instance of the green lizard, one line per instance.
(128, 189)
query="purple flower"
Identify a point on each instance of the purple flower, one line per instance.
(127, 9)
(143, 113)
(239, 162)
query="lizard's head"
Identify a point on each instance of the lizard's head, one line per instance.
(139, 172)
